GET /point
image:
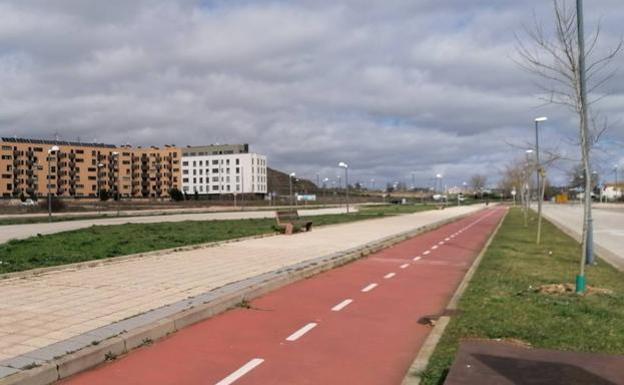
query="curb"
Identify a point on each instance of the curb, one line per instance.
(602, 253)
(412, 377)
(80, 353)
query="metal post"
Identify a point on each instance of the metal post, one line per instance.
(291, 190)
(347, 187)
(49, 192)
(538, 186)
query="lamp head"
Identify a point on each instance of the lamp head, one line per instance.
(292, 174)
(343, 165)
(541, 119)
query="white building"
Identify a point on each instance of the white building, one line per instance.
(223, 169)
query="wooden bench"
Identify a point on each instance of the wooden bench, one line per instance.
(289, 221)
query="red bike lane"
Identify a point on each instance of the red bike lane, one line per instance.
(357, 324)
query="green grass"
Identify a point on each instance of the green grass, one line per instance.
(501, 301)
(100, 242)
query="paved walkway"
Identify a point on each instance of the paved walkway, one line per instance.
(608, 226)
(39, 311)
(28, 230)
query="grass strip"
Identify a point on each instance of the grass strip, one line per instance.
(502, 301)
(99, 242)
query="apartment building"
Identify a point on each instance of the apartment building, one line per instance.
(83, 170)
(223, 169)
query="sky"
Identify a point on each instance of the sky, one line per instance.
(401, 90)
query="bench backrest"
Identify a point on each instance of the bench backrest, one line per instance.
(287, 215)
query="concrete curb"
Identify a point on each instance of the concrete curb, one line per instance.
(412, 377)
(602, 253)
(47, 365)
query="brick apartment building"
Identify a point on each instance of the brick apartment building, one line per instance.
(83, 170)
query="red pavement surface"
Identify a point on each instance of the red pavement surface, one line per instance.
(373, 340)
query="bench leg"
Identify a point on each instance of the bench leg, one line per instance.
(289, 229)
(308, 226)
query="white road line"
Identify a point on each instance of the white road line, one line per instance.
(389, 275)
(427, 252)
(434, 247)
(299, 333)
(342, 305)
(369, 287)
(440, 243)
(417, 258)
(405, 265)
(447, 239)
(248, 367)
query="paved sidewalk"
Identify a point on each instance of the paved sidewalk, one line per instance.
(28, 230)
(42, 310)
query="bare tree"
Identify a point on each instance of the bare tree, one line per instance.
(567, 72)
(477, 183)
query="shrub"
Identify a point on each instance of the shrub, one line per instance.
(104, 195)
(176, 195)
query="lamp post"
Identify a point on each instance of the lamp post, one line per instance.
(538, 172)
(346, 168)
(615, 171)
(290, 179)
(50, 151)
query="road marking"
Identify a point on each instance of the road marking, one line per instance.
(434, 247)
(369, 287)
(427, 252)
(405, 265)
(417, 258)
(342, 305)
(447, 239)
(389, 275)
(248, 367)
(440, 243)
(299, 333)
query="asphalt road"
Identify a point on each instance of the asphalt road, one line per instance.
(608, 226)
(358, 324)
(9, 232)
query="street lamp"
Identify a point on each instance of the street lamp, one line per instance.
(50, 151)
(346, 168)
(615, 170)
(538, 172)
(290, 179)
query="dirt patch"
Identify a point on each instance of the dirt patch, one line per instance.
(568, 288)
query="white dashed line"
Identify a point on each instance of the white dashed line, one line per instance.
(248, 367)
(440, 243)
(405, 265)
(434, 247)
(389, 275)
(417, 258)
(299, 333)
(369, 287)
(342, 305)
(427, 252)
(447, 239)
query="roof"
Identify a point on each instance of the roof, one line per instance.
(56, 142)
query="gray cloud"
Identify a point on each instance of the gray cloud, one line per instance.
(394, 87)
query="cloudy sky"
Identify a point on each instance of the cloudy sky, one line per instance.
(393, 87)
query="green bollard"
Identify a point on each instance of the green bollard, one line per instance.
(580, 284)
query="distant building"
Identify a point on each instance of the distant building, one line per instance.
(223, 169)
(29, 168)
